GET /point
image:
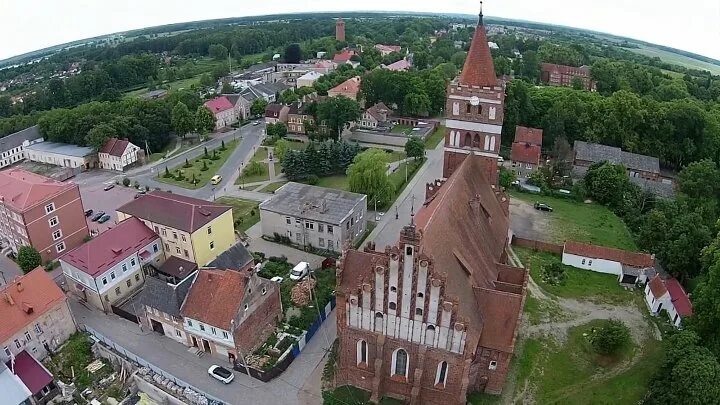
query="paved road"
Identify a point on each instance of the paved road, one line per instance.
(175, 359)
(8, 270)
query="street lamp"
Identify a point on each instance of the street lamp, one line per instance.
(213, 191)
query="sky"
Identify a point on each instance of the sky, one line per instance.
(27, 25)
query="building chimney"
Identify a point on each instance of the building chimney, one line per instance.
(20, 286)
(9, 299)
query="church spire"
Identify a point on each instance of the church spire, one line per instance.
(480, 20)
(479, 69)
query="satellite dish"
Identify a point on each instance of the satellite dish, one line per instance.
(474, 100)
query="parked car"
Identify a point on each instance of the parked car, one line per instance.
(299, 271)
(221, 374)
(277, 279)
(103, 219)
(216, 179)
(109, 187)
(256, 123)
(88, 213)
(98, 216)
(542, 207)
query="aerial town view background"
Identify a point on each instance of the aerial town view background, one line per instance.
(361, 207)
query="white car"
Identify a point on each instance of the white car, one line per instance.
(221, 373)
(277, 279)
(299, 271)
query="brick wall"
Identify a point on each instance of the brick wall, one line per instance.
(255, 329)
(537, 245)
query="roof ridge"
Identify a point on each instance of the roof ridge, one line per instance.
(451, 180)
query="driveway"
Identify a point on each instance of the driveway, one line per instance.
(527, 222)
(258, 244)
(95, 198)
(175, 359)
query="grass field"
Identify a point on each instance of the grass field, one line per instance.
(433, 140)
(348, 395)
(589, 223)
(579, 284)
(339, 182)
(272, 187)
(245, 213)
(678, 59)
(202, 177)
(401, 129)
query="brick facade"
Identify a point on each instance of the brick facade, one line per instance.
(260, 324)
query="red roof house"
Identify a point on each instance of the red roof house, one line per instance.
(679, 297)
(219, 104)
(533, 136)
(32, 373)
(625, 257)
(668, 295)
(349, 88)
(114, 147)
(525, 153)
(344, 56)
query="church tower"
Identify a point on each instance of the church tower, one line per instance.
(340, 30)
(474, 110)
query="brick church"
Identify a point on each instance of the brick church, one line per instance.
(435, 316)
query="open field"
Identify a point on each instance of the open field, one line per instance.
(202, 177)
(245, 213)
(678, 59)
(570, 220)
(433, 140)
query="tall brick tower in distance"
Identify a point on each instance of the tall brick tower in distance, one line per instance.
(340, 30)
(474, 110)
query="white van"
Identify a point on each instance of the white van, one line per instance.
(299, 271)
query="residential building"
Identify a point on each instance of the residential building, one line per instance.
(344, 56)
(400, 66)
(340, 30)
(629, 267)
(230, 313)
(377, 116)
(314, 216)
(40, 212)
(118, 154)
(223, 111)
(237, 257)
(642, 166)
(349, 88)
(434, 317)
(12, 147)
(240, 104)
(297, 118)
(308, 79)
(108, 269)
(193, 229)
(276, 113)
(387, 49)
(323, 66)
(35, 316)
(525, 152)
(474, 111)
(561, 75)
(162, 297)
(14, 392)
(62, 154)
(266, 91)
(670, 296)
(38, 381)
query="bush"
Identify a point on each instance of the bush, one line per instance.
(313, 180)
(187, 164)
(254, 168)
(215, 155)
(167, 174)
(611, 338)
(222, 145)
(553, 273)
(126, 182)
(204, 167)
(136, 184)
(28, 258)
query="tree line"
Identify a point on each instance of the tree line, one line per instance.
(319, 159)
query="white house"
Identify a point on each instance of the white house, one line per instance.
(630, 267)
(223, 110)
(668, 295)
(12, 146)
(118, 154)
(109, 268)
(308, 79)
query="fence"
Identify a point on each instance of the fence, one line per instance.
(537, 245)
(144, 363)
(124, 314)
(294, 352)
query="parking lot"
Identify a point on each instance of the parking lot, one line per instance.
(95, 198)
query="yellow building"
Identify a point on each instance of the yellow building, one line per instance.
(193, 229)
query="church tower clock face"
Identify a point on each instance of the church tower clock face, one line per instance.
(474, 101)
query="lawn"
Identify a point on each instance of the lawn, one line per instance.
(349, 395)
(272, 187)
(398, 176)
(677, 59)
(401, 129)
(394, 156)
(339, 182)
(579, 284)
(202, 177)
(245, 178)
(433, 140)
(245, 213)
(260, 154)
(589, 223)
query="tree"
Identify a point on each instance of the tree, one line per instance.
(368, 175)
(280, 149)
(218, 51)
(706, 298)
(206, 80)
(293, 53)
(507, 177)
(182, 120)
(610, 338)
(288, 97)
(204, 120)
(99, 134)
(276, 130)
(577, 83)
(28, 258)
(700, 179)
(606, 183)
(416, 103)
(258, 106)
(336, 112)
(227, 88)
(414, 147)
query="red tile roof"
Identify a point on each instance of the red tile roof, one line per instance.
(657, 287)
(219, 104)
(115, 147)
(679, 297)
(533, 136)
(104, 251)
(625, 257)
(343, 56)
(583, 71)
(33, 374)
(349, 87)
(525, 153)
(215, 297)
(26, 299)
(479, 69)
(22, 190)
(176, 211)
